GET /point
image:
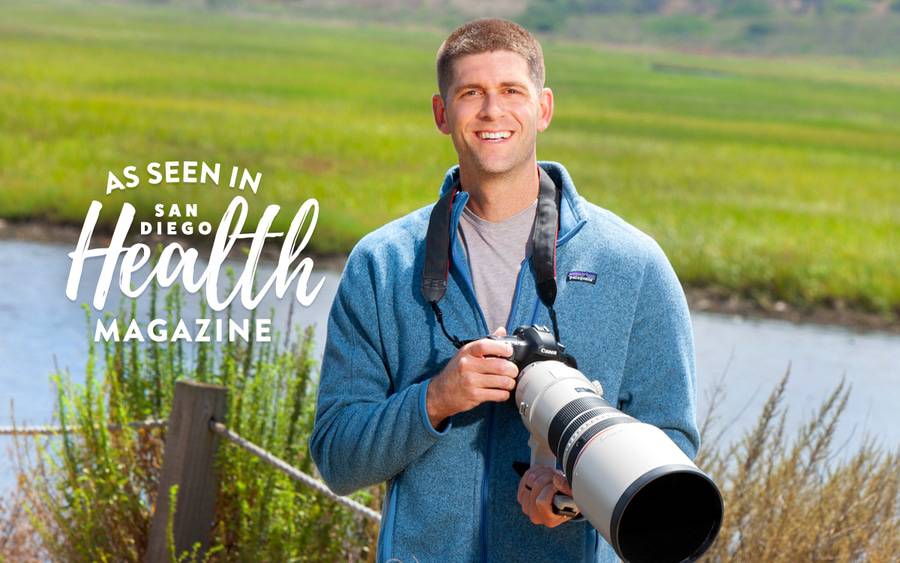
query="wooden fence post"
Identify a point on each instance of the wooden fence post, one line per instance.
(188, 461)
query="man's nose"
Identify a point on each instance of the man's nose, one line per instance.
(491, 107)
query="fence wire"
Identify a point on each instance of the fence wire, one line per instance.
(50, 429)
(233, 437)
(292, 471)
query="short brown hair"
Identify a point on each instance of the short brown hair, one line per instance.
(484, 36)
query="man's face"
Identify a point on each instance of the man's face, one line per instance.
(493, 112)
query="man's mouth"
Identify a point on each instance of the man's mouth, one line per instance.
(493, 135)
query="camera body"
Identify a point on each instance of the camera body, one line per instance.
(535, 344)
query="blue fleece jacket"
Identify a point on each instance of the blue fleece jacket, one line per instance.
(451, 495)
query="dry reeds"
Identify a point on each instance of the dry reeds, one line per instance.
(786, 500)
(18, 540)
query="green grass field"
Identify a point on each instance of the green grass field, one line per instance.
(774, 178)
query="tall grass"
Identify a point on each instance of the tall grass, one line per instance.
(18, 540)
(786, 499)
(89, 493)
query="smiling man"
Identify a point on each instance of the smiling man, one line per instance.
(403, 399)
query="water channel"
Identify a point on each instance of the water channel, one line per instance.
(41, 328)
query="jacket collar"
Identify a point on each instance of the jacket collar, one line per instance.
(571, 215)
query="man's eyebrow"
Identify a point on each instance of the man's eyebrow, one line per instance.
(477, 86)
(470, 86)
(513, 83)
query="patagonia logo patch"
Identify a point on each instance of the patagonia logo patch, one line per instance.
(589, 277)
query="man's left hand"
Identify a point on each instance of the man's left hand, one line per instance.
(536, 490)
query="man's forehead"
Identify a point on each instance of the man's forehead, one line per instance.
(491, 67)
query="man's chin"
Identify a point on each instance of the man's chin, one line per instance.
(494, 167)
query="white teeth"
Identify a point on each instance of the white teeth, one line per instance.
(494, 134)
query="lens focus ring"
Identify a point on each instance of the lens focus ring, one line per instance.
(566, 415)
(560, 446)
(583, 435)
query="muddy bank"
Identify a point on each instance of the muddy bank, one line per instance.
(706, 299)
(717, 300)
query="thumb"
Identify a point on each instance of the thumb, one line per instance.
(559, 481)
(499, 332)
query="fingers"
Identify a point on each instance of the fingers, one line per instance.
(496, 366)
(477, 368)
(543, 501)
(476, 374)
(538, 485)
(544, 508)
(559, 480)
(490, 381)
(488, 347)
(475, 391)
(497, 388)
(535, 495)
(494, 395)
(526, 486)
(530, 485)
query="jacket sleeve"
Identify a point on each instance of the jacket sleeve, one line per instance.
(659, 383)
(365, 431)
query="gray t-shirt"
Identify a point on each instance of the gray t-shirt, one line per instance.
(495, 252)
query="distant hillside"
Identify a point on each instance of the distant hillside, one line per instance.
(512, 8)
(852, 28)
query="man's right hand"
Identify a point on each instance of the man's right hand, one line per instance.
(479, 372)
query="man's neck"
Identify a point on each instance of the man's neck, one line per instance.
(498, 197)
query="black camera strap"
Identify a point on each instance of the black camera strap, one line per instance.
(546, 231)
(437, 258)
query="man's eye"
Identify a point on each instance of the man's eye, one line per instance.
(512, 90)
(471, 93)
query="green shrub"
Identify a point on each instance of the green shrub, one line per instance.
(544, 16)
(848, 6)
(744, 9)
(600, 6)
(647, 6)
(90, 492)
(759, 29)
(678, 26)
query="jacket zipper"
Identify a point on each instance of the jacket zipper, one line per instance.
(485, 490)
(466, 275)
(489, 423)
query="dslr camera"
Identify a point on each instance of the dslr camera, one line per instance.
(631, 482)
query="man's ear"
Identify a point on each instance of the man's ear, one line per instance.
(546, 109)
(440, 114)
